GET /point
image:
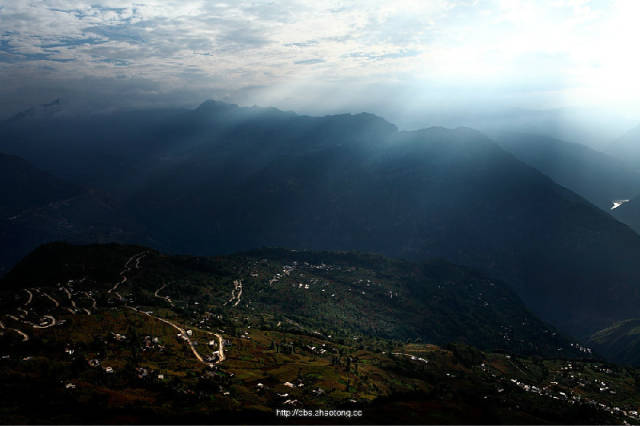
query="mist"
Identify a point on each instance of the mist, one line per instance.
(416, 64)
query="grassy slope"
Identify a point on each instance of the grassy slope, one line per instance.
(620, 342)
(458, 384)
(341, 363)
(338, 294)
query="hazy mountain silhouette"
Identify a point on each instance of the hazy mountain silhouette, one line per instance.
(619, 342)
(37, 207)
(24, 186)
(222, 178)
(629, 213)
(598, 177)
(592, 127)
(627, 147)
(47, 110)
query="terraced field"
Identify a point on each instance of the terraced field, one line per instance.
(278, 336)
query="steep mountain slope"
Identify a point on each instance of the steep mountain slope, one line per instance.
(102, 151)
(620, 342)
(629, 213)
(596, 176)
(23, 186)
(627, 147)
(592, 127)
(337, 294)
(222, 178)
(37, 207)
(417, 195)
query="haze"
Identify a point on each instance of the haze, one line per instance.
(415, 63)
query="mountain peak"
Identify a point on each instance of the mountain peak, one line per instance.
(46, 110)
(213, 105)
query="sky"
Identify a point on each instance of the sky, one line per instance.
(401, 59)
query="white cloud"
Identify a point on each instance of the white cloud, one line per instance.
(563, 51)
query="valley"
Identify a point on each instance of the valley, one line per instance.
(342, 182)
(299, 212)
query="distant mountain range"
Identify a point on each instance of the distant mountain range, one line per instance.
(48, 110)
(627, 148)
(591, 127)
(598, 177)
(620, 341)
(37, 207)
(222, 178)
(629, 213)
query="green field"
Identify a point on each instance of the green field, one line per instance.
(383, 341)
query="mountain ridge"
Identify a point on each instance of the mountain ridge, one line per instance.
(435, 301)
(598, 177)
(38, 207)
(207, 183)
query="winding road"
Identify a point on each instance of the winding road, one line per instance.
(237, 287)
(51, 298)
(165, 298)
(52, 322)
(137, 257)
(94, 306)
(30, 298)
(115, 287)
(25, 336)
(221, 356)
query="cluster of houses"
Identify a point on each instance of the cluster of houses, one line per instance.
(571, 397)
(286, 270)
(95, 363)
(581, 348)
(146, 373)
(118, 337)
(317, 349)
(412, 357)
(151, 344)
(286, 397)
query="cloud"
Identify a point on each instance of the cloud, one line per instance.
(309, 61)
(381, 56)
(555, 50)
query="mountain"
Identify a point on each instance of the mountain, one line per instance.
(47, 110)
(627, 147)
(222, 178)
(629, 213)
(115, 334)
(591, 127)
(100, 151)
(620, 342)
(335, 294)
(37, 207)
(596, 176)
(24, 186)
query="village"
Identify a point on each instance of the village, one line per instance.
(212, 341)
